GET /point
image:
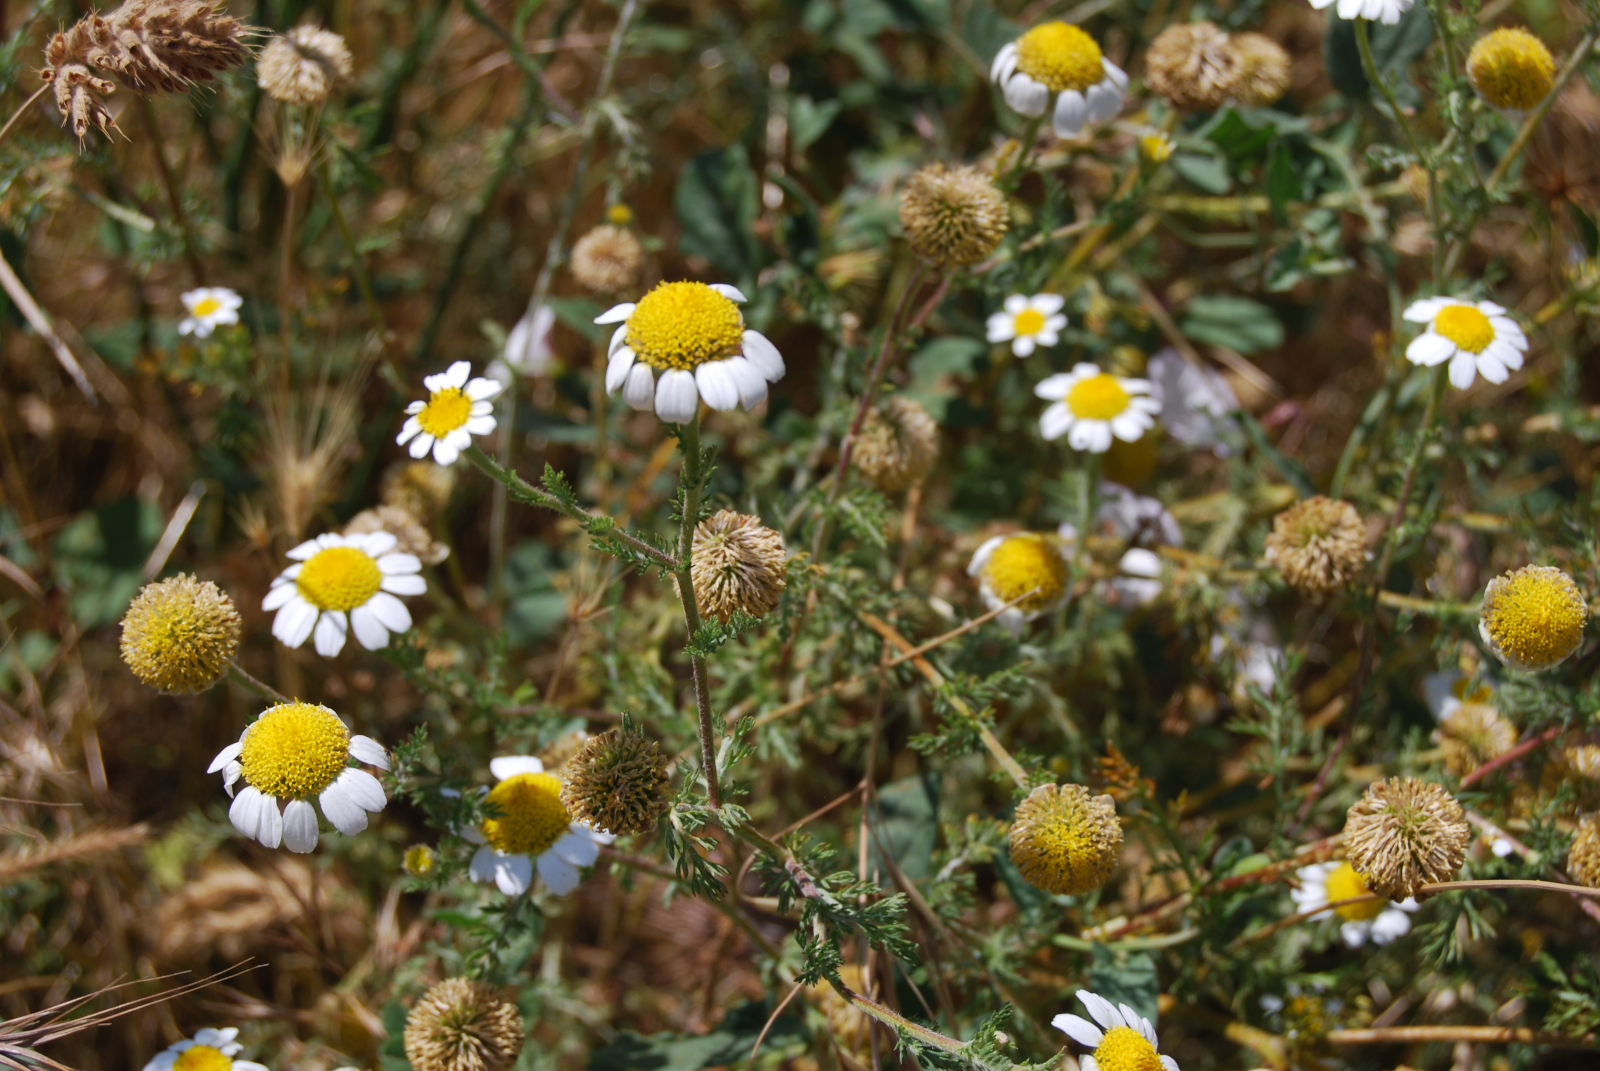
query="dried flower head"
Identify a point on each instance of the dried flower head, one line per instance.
(421, 488)
(1193, 65)
(953, 217)
(1510, 68)
(411, 535)
(1564, 155)
(1263, 70)
(618, 783)
(305, 66)
(1533, 618)
(1319, 545)
(562, 750)
(1405, 833)
(898, 445)
(463, 1025)
(1583, 858)
(1471, 735)
(1064, 840)
(738, 565)
(179, 634)
(607, 259)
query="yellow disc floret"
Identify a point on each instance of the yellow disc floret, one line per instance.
(202, 1058)
(1064, 840)
(1060, 56)
(1533, 618)
(1465, 326)
(531, 814)
(1345, 883)
(206, 306)
(179, 634)
(1511, 69)
(1028, 322)
(339, 578)
(684, 325)
(1125, 1049)
(1099, 397)
(1023, 563)
(446, 411)
(294, 750)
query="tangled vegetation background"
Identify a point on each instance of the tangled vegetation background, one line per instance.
(1144, 495)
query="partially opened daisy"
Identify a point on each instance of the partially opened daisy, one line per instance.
(1474, 336)
(1124, 1040)
(1057, 67)
(208, 1050)
(344, 582)
(293, 753)
(531, 829)
(209, 307)
(1029, 566)
(1387, 12)
(457, 409)
(1091, 407)
(1028, 322)
(694, 336)
(1327, 883)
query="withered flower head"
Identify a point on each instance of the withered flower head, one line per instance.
(1405, 833)
(462, 1025)
(1583, 858)
(1193, 65)
(738, 565)
(1064, 840)
(607, 259)
(954, 217)
(898, 445)
(421, 488)
(179, 634)
(1471, 735)
(411, 535)
(1319, 545)
(305, 66)
(618, 783)
(1263, 70)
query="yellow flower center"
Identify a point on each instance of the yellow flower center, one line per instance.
(1023, 563)
(205, 307)
(446, 411)
(1465, 326)
(1125, 1049)
(684, 325)
(202, 1058)
(1345, 883)
(419, 860)
(339, 578)
(532, 816)
(1060, 56)
(1511, 68)
(1099, 397)
(1156, 147)
(1535, 616)
(295, 750)
(1028, 322)
(619, 215)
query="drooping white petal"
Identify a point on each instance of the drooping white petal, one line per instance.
(243, 811)
(617, 369)
(225, 756)
(751, 383)
(716, 385)
(269, 822)
(1104, 102)
(998, 69)
(341, 810)
(618, 337)
(1025, 96)
(616, 313)
(1071, 111)
(981, 556)
(1079, 1029)
(1101, 1009)
(677, 398)
(640, 389)
(278, 596)
(1463, 369)
(369, 631)
(300, 826)
(332, 625)
(759, 351)
(482, 866)
(367, 750)
(560, 876)
(1055, 421)
(511, 765)
(576, 849)
(513, 874)
(1429, 349)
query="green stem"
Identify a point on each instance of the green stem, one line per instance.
(259, 687)
(691, 481)
(1370, 67)
(170, 185)
(358, 268)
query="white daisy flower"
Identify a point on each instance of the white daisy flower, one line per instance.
(210, 307)
(344, 582)
(1474, 336)
(208, 1050)
(527, 351)
(1058, 60)
(1327, 883)
(1197, 405)
(1028, 322)
(456, 410)
(1124, 1040)
(1387, 12)
(1092, 406)
(289, 754)
(532, 830)
(1009, 567)
(694, 336)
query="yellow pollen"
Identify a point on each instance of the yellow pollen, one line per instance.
(1060, 56)
(339, 578)
(684, 325)
(1022, 563)
(206, 306)
(294, 750)
(1534, 616)
(446, 411)
(1465, 326)
(1345, 883)
(202, 1058)
(1125, 1049)
(1028, 322)
(532, 816)
(1511, 68)
(1099, 397)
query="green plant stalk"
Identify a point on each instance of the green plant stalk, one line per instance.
(690, 482)
(253, 684)
(170, 185)
(1369, 67)
(358, 268)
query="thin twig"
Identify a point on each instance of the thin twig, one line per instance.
(21, 110)
(1389, 1035)
(1511, 756)
(250, 683)
(41, 324)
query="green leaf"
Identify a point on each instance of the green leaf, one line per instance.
(534, 607)
(1242, 325)
(1283, 180)
(953, 355)
(809, 120)
(1210, 173)
(908, 825)
(1126, 978)
(717, 201)
(578, 313)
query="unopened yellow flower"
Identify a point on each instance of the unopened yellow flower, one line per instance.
(1533, 618)
(1027, 566)
(1512, 69)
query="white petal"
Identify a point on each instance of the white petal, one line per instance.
(560, 876)
(388, 611)
(751, 383)
(1071, 111)
(717, 386)
(1017, 304)
(1056, 387)
(332, 625)
(618, 337)
(243, 811)
(294, 622)
(1023, 345)
(616, 313)
(732, 293)
(341, 810)
(411, 427)
(1166, 1061)
(444, 452)
(399, 564)
(1055, 421)
(369, 631)
(310, 547)
(577, 850)
(225, 756)
(1101, 1009)
(300, 826)
(617, 369)
(404, 585)
(482, 866)
(981, 556)
(513, 873)
(1463, 369)
(280, 595)
(374, 544)
(1088, 1063)
(640, 389)
(230, 776)
(1104, 101)
(420, 446)
(759, 351)
(1001, 327)
(1025, 96)
(1423, 312)
(1118, 76)
(1429, 349)
(1354, 933)
(367, 750)
(677, 399)
(512, 765)
(481, 390)
(1050, 304)
(1138, 1022)
(1079, 1029)
(364, 790)
(997, 67)
(456, 375)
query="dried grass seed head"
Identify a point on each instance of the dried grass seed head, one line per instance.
(1263, 70)
(618, 783)
(422, 488)
(179, 635)
(1471, 735)
(1583, 858)
(463, 1025)
(1405, 833)
(1193, 65)
(607, 259)
(1533, 618)
(738, 565)
(898, 446)
(1064, 840)
(954, 217)
(305, 66)
(411, 534)
(1319, 545)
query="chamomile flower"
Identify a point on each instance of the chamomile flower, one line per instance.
(1197, 405)
(1028, 322)
(1091, 407)
(1124, 1040)
(1387, 12)
(290, 754)
(209, 307)
(694, 336)
(1379, 920)
(1024, 564)
(457, 409)
(344, 582)
(528, 350)
(208, 1050)
(1474, 336)
(531, 829)
(1533, 618)
(1060, 62)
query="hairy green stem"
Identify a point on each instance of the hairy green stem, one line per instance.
(691, 481)
(253, 684)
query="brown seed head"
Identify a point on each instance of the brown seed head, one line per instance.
(179, 634)
(305, 66)
(954, 217)
(462, 1025)
(411, 534)
(1064, 840)
(1193, 65)
(1471, 735)
(898, 445)
(421, 488)
(1583, 858)
(1319, 545)
(618, 783)
(561, 751)
(607, 259)
(738, 564)
(1405, 833)
(1263, 70)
